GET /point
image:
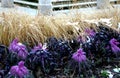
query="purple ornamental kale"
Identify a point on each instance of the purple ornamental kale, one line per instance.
(19, 70)
(90, 32)
(18, 48)
(39, 47)
(13, 46)
(79, 56)
(114, 45)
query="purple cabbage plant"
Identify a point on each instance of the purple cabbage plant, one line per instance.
(19, 70)
(79, 56)
(40, 59)
(114, 46)
(18, 48)
(80, 64)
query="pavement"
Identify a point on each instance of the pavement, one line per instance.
(34, 12)
(17, 8)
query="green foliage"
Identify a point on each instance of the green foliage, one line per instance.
(104, 73)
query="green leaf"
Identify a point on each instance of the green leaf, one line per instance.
(104, 73)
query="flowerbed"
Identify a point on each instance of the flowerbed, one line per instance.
(83, 57)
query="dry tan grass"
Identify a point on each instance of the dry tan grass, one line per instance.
(113, 13)
(31, 29)
(37, 29)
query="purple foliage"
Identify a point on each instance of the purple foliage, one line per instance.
(13, 46)
(19, 70)
(114, 45)
(79, 56)
(90, 32)
(39, 47)
(18, 48)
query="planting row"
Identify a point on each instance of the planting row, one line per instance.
(84, 56)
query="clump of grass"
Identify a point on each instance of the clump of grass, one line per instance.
(30, 29)
(112, 13)
(35, 29)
